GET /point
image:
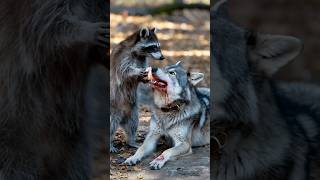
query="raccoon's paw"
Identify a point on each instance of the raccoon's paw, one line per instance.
(132, 160)
(143, 76)
(158, 163)
(113, 149)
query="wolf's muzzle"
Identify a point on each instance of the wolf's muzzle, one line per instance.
(154, 69)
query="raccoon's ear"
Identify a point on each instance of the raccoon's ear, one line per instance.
(271, 52)
(195, 77)
(144, 32)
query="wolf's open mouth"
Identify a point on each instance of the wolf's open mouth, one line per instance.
(158, 83)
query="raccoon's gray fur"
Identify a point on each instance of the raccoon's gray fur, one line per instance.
(180, 112)
(266, 130)
(128, 66)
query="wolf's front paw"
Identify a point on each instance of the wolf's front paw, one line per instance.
(132, 160)
(158, 162)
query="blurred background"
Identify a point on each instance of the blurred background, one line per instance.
(183, 31)
(299, 18)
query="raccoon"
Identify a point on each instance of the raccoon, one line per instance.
(128, 68)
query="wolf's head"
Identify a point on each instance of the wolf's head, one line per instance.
(147, 44)
(172, 85)
(241, 59)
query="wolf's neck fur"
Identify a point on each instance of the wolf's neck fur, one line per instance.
(187, 111)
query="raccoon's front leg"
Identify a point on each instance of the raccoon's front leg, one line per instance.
(140, 73)
(130, 126)
(182, 147)
(147, 147)
(114, 123)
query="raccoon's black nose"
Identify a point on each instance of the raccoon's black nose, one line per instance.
(162, 57)
(154, 69)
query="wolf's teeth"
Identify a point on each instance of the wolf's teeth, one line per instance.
(149, 70)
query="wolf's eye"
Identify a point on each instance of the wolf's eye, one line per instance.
(172, 73)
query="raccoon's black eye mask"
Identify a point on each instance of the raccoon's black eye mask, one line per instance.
(151, 48)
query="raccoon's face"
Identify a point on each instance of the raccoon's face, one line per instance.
(172, 84)
(148, 44)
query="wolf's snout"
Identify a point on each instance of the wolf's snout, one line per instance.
(154, 69)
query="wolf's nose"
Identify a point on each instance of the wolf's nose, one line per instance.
(154, 69)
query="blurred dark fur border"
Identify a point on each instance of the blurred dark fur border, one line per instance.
(266, 130)
(49, 51)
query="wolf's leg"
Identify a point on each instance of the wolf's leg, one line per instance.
(147, 147)
(114, 123)
(181, 137)
(130, 126)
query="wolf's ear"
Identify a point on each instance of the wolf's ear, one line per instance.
(195, 77)
(179, 63)
(271, 52)
(144, 32)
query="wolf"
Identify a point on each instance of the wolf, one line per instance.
(263, 129)
(180, 112)
(128, 69)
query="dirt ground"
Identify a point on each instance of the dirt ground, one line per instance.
(195, 166)
(184, 36)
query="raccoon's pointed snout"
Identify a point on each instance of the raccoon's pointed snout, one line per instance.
(158, 56)
(161, 57)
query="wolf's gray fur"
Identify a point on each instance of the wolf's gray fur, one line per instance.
(271, 129)
(128, 64)
(180, 112)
